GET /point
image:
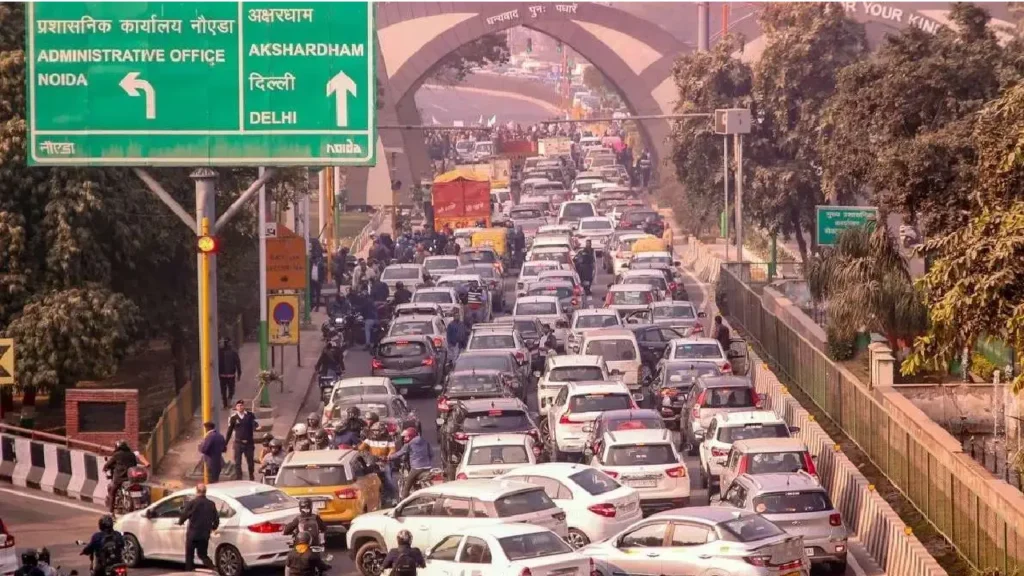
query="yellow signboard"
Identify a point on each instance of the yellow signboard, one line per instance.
(284, 319)
(7, 372)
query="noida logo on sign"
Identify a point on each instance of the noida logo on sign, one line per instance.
(349, 147)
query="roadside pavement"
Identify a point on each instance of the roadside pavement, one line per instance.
(182, 464)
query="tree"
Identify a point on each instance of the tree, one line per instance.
(975, 285)
(864, 282)
(895, 131)
(490, 49)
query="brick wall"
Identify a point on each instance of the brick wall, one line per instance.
(130, 399)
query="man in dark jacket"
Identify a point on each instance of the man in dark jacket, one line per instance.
(402, 294)
(230, 370)
(721, 333)
(106, 547)
(201, 515)
(118, 464)
(302, 561)
(244, 423)
(213, 448)
(404, 560)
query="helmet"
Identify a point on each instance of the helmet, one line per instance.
(372, 418)
(409, 433)
(405, 537)
(303, 538)
(44, 555)
(299, 430)
(29, 558)
(121, 444)
(276, 444)
(353, 412)
(379, 429)
(320, 436)
(399, 285)
(313, 420)
(106, 522)
(305, 506)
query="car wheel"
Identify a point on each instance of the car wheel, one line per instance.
(370, 559)
(229, 561)
(132, 553)
(576, 539)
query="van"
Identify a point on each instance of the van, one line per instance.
(571, 212)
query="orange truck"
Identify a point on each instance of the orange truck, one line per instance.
(461, 199)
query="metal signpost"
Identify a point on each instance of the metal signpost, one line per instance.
(735, 121)
(201, 83)
(831, 220)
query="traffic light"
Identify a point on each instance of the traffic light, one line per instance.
(529, 45)
(207, 244)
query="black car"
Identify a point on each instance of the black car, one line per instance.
(482, 416)
(473, 385)
(530, 330)
(412, 362)
(629, 419)
(501, 360)
(653, 340)
(673, 381)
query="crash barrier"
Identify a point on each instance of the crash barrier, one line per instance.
(51, 467)
(362, 240)
(889, 541)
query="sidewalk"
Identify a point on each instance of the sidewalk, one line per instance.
(182, 464)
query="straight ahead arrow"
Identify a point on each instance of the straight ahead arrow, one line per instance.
(132, 84)
(341, 86)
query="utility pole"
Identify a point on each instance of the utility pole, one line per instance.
(307, 312)
(736, 122)
(703, 26)
(206, 260)
(264, 329)
(725, 197)
(739, 196)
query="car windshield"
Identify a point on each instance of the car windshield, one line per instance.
(575, 374)
(491, 342)
(267, 501)
(488, 455)
(634, 424)
(639, 216)
(653, 260)
(401, 349)
(749, 528)
(485, 383)
(412, 328)
(557, 291)
(697, 350)
(680, 376)
(527, 328)
(598, 321)
(400, 274)
(478, 256)
(577, 210)
(655, 281)
(484, 362)
(728, 397)
(347, 391)
(730, 434)
(535, 308)
(773, 462)
(460, 285)
(535, 545)
(441, 264)
(792, 503)
(596, 225)
(523, 503)
(559, 257)
(594, 481)
(631, 297)
(599, 402)
(677, 311)
(340, 409)
(641, 455)
(612, 350)
(496, 421)
(433, 297)
(526, 213)
(486, 271)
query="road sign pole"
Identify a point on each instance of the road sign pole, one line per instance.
(207, 282)
(264, 359)
(205, 356)
(725, 198)
(307, 311)
(739, 197)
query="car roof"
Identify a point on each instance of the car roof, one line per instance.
(637, 235)
(692, 340)
(644, 436)
(585, 387)
(441, 257)
(725, 381)
(629, 414)
(630, 288)
(498, 440)
(421, 338)
(500, 531)
(232, 489)
(489, 352)
(643, 272)
(576, 360)
(670, 303)
(366, 399)
(553, 469)
(410, 266)
(656, 254)
(610, 333)
(681, 361)
(363, 381)
(531, 299)
(707, 514)
(770, 445)
(481, 404)
(459, 277)
(596, 312)
(472, 371)
(551, 282)
(413, 318)
(445, 289)
(483, 489)
(557, 272)
(783, 482)
(311, 457)
(730, 419)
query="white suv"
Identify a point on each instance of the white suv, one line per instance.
(705, 349)
(490, 455)
(560, 370)
(576, 406)
(435, 512)
(647, 461)
(733, 427)
(587, 319)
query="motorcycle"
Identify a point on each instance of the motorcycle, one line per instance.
(326, 382)
(435, 476)
(115, 569)
(132, 494)
(268, 473)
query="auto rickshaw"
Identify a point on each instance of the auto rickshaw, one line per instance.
(497, 240)
(650, 245)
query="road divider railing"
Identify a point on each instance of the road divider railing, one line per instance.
(363, 238)
(58, 465)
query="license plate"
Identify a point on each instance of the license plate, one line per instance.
(401, 380)
(809, 551)
(642, 483)
(638, 397)
(136, 493)
(319, 505)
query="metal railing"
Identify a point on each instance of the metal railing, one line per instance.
(364, 236)
(981, 520)
(55, 439)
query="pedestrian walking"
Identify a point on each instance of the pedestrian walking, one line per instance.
(213, 448)
(230, 370)
(201, 515)
(245, 425)
(314, 286)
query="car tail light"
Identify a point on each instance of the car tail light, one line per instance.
(697, 329)
(605, 510)
(809, 465)
(525, 572)
(726, 368)
(429, 361)
(442, 404)
(744, 463)
(376, 364)
(120, 571)
(593, 568)
(795, 564)
(520, 356)
(461, 436)
(577, 290)
(461, 476)
(695, 413)
(648, 297)
(347, 493)
(759, 561)
(756, 398)
(266, 528)
(610, 473)
(719, 452)
(677, 472)
(438, 342)
(438, 478)
(566, 419)
(835, 519)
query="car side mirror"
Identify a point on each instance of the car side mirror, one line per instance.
(148, 513)
(794, 430)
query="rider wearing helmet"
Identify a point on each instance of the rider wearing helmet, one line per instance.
(404, 560)
(371, 419)
(106, 547)
(379, 444)
(29, 564)
(273, 459)
(332, 359)
(118, 465)
(300, 438)
(319, 439)
(421, 457)
(402, 294)
(302, 561)
(349, 432)
(312, 423)
(307, 522)
(44, 562)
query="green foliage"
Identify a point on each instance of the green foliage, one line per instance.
(841, 346)
(489, 49)
(982, 368)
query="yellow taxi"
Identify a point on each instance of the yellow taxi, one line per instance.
(339, 483)
(496, 239)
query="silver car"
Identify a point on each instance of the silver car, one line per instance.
(700, 540)
(799, 505)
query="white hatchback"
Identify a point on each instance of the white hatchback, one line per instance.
(728, 428)
(560, 370)
(576, 406)
(646, 460)
(596, 505)
(490, 455)
(504, 549)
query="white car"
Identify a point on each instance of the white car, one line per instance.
(705, 349)
(440, 265)
(434, 513)
(598, 230)
(555, 229)
(559, 254)
(505, 549)
(571, 212)
(422, 325)
(621, 250)
(619, 348)
(252, 519)
(547, 309)
(589, 319)
(444, 297)
(410, 275)
(9, 561)
(490, 455)
(553, 240)
(577, 406)
(627, 298)
(560, 370)
(647, 461)
(727, 428)
(362, 386)
(595, 504)
(452, 281)
(530, 272)
(653, 278)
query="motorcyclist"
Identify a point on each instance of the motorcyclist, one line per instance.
(44, 562)
(378, 290)
(272, 460)
(106, 547)
(548, 342)
(585, 264)
(332, 359)
(320, 440)
(370, 419)
(361, 274)
(118, 465)
(379, 444)
(307, 522)
(300, 438)
(29, 564)
(349, 431)
(402, 294)
(313, 423)
(404, 560)
(302, 561)
(421, 457)
(339, 306)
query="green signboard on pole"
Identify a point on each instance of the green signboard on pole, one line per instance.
(831, 220)
(201, 83)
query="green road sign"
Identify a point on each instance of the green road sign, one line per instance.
(201, 83)
(834, 219)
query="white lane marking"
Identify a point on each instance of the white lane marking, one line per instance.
(60, 501)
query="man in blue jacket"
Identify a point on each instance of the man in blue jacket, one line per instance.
(213, 448)
(421, 457)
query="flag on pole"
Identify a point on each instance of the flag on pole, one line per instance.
(492, 121)
(434, 120)
(480, 122)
